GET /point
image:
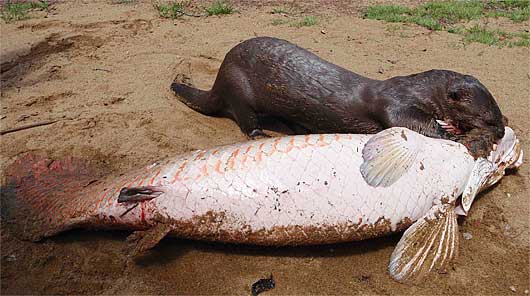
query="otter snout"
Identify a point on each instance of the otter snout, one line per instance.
(499, 132)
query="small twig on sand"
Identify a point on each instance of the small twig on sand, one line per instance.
(28, 126)
(192, 15)
(100, 69)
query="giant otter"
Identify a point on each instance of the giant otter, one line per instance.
(264, 78)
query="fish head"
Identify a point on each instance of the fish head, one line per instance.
(508, 155)
(488, 171)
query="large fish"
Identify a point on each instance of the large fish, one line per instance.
(294, 190)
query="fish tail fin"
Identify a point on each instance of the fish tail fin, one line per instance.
(39, 195)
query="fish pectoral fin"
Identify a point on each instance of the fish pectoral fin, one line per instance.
(430, 243)
(479, 176)
(389, 154)
(144, 240)
(141, 193)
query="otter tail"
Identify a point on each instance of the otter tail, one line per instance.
(41, 197)
(198, 100)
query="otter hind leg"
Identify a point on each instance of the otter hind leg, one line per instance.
(238, 96)
(247, 120)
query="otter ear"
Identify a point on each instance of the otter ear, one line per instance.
(459, 91)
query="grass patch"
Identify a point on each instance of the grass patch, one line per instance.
(481, 35)
(523, 39)
(440, 15)
(446, 15)
(495, 37)
(279, 11)
(307, 21)
(177, 9)
(434, 15)
(516, 10)
(170, 10)
(451, 11)
(278, 22)
(428, 22)
(12, 12)
(220, 8)
(456, 30)
(388, 13)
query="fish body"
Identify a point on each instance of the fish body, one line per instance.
(287, 191)
(294, 190)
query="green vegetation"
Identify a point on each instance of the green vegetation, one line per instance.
(177, 9)
(19, 11)
(481, 35)
(279, 11)
(516, 10)
(171, 10)
(307, 21)
(387, 13)
(484, 35)
(277, 22)
(439, 15)
(219, 8)
(524, 40)
(445, 15)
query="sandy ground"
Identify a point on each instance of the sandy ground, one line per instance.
(103, 71)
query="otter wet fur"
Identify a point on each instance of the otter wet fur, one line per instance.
(268, 78)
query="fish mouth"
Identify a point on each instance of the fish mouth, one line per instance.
(488, 171)
(508, 155)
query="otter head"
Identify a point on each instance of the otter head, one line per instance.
(472, 114)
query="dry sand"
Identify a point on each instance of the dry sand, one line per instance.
(104, 72)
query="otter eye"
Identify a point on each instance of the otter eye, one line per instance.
(453, 95)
